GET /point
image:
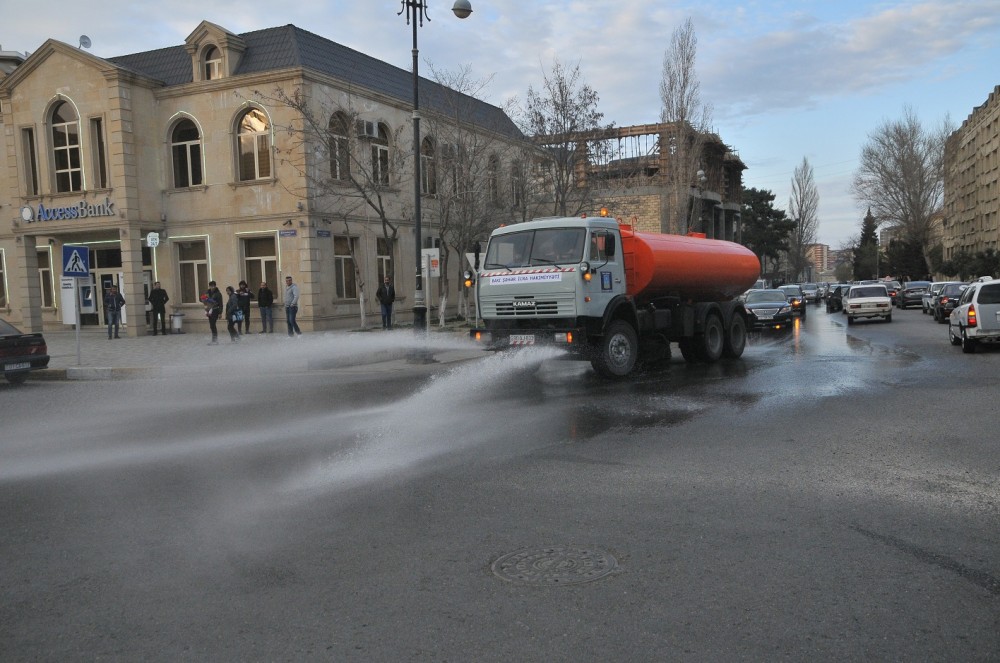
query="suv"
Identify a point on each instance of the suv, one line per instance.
(976, 318)
(867, 301)
(945, 301)
(793, 294)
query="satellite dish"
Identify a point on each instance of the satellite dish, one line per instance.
(84, 41)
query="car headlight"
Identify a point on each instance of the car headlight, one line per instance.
(785, 309)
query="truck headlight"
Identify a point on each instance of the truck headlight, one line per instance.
(585, 271)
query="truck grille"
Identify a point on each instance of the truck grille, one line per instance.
(506, 307)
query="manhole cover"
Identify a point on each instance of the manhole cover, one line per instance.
(555, 565)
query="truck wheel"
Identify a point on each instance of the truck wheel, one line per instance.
(687, 350)
(736, 337)
(712, 340)
(616, 355)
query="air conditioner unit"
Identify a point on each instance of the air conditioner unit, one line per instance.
(367, 129)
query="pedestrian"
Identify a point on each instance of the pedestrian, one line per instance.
(158, 299)
(386, 295)
(233, 313)
(265, 298)
(245, 297)
(212, 299)
(291, 306)
(113, 303)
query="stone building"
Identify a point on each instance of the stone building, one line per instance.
(194, 163)
(971, 221)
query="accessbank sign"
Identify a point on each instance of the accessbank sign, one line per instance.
(82, 210)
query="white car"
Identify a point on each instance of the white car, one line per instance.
(867, 301)
(976, 318)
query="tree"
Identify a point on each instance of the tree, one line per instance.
(765, 229)
(803, 208)
(866, 258)
(901, 177)
(558, 117)
(681, 105)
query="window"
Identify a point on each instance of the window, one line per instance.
(493, 180)
(254, 146)
(380, 157)
(383, 256)
(66, 148)
(97, 153)
(185, 148)
(516, 185)
(45, 276)
(343, 267)
(428, 177)
(30, 161)
(340, 155)
(260, 261)
(213, 63)
(192, 265)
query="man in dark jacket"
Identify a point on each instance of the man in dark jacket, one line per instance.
(158, 299)
(113, 302)
(265, 298)
(212, 299)
(386, 295)
(244, 296)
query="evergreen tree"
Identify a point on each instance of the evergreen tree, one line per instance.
(765, 229)
(866, 259)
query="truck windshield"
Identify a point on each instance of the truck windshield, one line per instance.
(551, 246)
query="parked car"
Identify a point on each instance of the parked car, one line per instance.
(793, 294)
(810, 292)
(835, 300)
(945, 301)
(768, 309)
(927, 301)
(21, 353)
(976, 318)
(867, 301)
(912, 294)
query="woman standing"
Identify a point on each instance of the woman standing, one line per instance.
(233, 313)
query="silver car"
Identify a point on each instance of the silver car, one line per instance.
(976, 318)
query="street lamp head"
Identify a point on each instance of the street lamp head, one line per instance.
(462, 8)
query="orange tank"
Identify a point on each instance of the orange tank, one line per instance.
(687, 266)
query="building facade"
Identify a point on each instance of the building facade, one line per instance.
(971, 222)
(230, 157)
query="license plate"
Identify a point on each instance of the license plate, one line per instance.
(765, 317)
(522, 339)
(19, 366)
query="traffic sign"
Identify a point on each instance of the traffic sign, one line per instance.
(76, 260)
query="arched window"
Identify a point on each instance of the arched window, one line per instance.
(493, 180)
(428, 174)
(213, 63)
(516, 184)
(66, 148)
(254, 146)
(340, 147)
(185, 148)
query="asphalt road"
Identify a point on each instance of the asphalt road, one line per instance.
(832, 496)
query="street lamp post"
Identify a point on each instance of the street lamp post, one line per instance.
(415, 15)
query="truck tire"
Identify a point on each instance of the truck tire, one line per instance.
(736, 337)
(616, 354)
(687, 350)
(712, 340)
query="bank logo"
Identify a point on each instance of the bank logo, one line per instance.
(82, 210)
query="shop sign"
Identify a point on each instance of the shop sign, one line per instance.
(82, 210)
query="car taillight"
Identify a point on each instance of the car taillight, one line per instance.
(942, 300)
(972, 315)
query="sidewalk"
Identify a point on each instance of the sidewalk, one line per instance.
(191, 354)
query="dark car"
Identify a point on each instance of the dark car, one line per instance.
(912, 294)
(892, 287)
(946, 300)
(795, 298)
(835, 298)
(21, 353)
(768, 309)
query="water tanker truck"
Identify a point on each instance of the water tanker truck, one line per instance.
(610, 294)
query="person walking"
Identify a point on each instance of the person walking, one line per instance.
(113, 303)
(265, 298)
(212, 299)
(292, 306)
(233, 313)
(245, 297)
(158, 299)
(386, 295)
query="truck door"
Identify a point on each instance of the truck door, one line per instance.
(606, 263)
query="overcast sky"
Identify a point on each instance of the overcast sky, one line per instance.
(787, 79)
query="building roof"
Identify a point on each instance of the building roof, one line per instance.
(289, 46)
